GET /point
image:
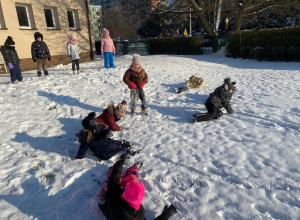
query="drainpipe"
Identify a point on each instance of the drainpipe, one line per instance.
(89, 29)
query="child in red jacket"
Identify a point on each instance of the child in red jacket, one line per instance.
(111, 115)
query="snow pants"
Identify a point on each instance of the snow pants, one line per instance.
(15, 73)
(108, 60)
(75, 62)
(135, 95)
(42, 65)
(213, 113)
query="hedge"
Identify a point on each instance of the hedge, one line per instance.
(267, 44)
(176, 45)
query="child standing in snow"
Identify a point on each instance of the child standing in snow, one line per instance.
(192, 83)
(39, 53)
(12, 60)
(122, 198)
(93, 136)
(136, 78)
(108, 50)
(216, 101)
(111, 115)
(73, 52)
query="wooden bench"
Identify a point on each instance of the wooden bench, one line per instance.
(2, 64)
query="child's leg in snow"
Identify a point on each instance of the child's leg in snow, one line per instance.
(106, 60)
(185, 87)
(134, 98)
(142, 98)
(73, 65)
(111, 60)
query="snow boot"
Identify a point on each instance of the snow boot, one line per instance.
(144, 111)
(74, 73)
(138, 164)
(46, 73)
(39, 73)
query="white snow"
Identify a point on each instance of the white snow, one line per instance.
(241, 166)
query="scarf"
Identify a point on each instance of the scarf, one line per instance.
(73, 42)
(135, 70)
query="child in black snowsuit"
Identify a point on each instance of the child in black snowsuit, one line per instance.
(93, 136)
(12, 60)
(122, 198)
(40, 53)
(218, 99)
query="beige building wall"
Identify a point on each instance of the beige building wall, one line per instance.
(57, 38)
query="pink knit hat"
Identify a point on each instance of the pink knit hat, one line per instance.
(73, 36)
(105, 32)
(134, 194)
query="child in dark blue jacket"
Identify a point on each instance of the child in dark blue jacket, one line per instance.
(93, 136)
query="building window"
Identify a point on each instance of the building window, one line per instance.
(73, 19)
(51, 16)
(25, 16)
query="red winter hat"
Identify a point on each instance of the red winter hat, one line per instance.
(134, 194)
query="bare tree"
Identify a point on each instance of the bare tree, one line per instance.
(209, 12)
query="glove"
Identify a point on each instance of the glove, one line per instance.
(74, 158)
(124, 157)
(167, 212)
(142, 84)
(49, 58)
(10, 66)
(70, 57)
(132, 85)
(230, 111)
(34, 60)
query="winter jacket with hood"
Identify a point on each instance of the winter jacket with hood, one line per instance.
(10, 54)
(136, 78)
(220, 98)
(108, 119)
(193, 82)
(39, 49)
(115, 207)
(103, 148)
(107, 45)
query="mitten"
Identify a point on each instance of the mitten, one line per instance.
(10, 66)
(74, 158)
(49, 58)
(70, 57)
(230, 111)
(127, 145)
(132, 85)
(34, 60)
(167, 213)
(142, 84)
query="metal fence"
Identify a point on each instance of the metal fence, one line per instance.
(140, 47)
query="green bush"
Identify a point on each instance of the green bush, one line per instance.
(267, 44)
(176, 45)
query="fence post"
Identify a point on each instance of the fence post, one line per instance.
(125, 45)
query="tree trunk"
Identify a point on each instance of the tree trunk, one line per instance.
(239, 12)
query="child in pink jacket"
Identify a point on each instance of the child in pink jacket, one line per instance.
(108, 50)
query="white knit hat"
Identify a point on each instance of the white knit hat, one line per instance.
(136, 60)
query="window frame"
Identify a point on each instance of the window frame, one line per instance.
(27, 14)
(74, 19)
(53, 18)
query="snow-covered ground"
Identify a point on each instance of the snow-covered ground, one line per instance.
(241, 166)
